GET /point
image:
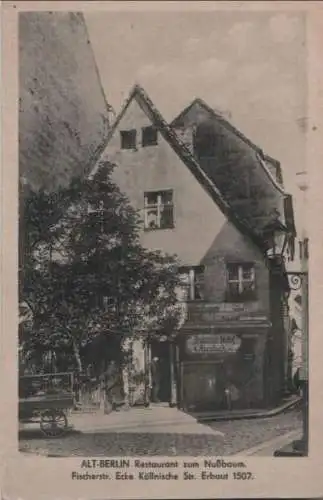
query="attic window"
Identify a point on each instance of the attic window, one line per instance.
(128, 139)
(149, 136)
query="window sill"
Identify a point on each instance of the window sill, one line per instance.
(150, 229)
(234, 300)
(194, 301)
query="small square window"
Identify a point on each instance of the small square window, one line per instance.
(128, 139)
(149, 136)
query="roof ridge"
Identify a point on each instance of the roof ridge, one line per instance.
(240, 134)
(175, 137)
(184, 153)
(229, 126)
(99, 152)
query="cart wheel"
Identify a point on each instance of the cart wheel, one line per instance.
(53, 423)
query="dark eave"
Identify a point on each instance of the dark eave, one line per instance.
(232, 129)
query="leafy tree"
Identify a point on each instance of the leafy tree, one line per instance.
(85, 274)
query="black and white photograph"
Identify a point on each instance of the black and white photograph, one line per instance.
(163, 242)
(163, 270)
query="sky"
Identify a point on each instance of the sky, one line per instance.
(251, 66)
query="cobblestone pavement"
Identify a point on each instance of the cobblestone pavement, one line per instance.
(130, 444)
(243, 434)
(239, 435)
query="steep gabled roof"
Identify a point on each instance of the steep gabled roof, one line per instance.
(262, 157)
(188, 159)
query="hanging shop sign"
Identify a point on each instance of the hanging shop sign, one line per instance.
(213, 344)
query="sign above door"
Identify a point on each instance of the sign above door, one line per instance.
(212, 344)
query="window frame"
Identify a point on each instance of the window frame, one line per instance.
(242, 295)
(158, 206)
(191, 283)
(144, 130)
(131, 133)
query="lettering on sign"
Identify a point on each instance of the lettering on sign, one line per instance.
(208, 344)
(210, 313)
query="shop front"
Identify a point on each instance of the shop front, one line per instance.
(222, 367)
(218, 361)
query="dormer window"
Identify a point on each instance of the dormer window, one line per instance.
(149, 136)
(128, 139)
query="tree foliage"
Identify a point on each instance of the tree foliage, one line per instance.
(85, 274)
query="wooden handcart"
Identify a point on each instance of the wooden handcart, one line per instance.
(46, 399)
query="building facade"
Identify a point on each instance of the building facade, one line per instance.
(229, 351)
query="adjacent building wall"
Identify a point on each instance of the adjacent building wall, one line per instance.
(63, 116)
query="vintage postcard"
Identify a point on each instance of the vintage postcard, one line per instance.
(161, 250)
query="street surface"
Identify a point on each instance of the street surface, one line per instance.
(239, 435)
